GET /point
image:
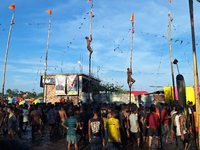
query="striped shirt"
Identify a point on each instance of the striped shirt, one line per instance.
(71, 124)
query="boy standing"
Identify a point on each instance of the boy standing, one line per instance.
(113, 130)
(135, 128)
(71, 124)
(95, 131)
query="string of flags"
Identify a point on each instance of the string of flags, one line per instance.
(35, 23)
(36, 77)
(142, 74)
(74, 37)
(160, 63)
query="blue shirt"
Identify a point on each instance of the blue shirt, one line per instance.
(52, 115)
(71, 124)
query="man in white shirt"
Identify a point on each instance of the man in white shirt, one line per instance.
(25, 116)
(134, 126)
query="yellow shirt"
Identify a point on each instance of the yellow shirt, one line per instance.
(104, 122)
(112, 125)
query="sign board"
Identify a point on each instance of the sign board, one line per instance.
(72, 85)
(60, 84)
(50, 79)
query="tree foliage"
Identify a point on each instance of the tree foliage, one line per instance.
(108, 88)
(17, 93)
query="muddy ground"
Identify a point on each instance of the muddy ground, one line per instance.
(58, 143)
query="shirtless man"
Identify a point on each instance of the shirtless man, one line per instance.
(63, 117)
(36, 118)
(62, 114)
(89, 44)
(130, 80)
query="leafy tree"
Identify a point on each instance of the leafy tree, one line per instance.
(16, 92)
(107, 88)
(9, 92)
(40, 95)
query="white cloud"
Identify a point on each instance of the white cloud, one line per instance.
(113, 18)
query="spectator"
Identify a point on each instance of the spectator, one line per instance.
(71, 124)
(52, 116)
(113, 128)
(96, 131)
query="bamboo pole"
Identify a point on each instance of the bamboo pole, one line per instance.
(170, 48)
(131, 57)
(4, 72)
(45, 70)
(196, 83)
(90, 56)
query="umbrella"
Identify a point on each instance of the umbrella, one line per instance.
(28, 100)
(18, 98)
(12, 100)
(36, 101)
(24, 102)
(25, 95)
(41, 98)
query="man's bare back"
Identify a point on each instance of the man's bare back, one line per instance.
(62, 114)
(130, 80)
(89, 44)
(36, 117)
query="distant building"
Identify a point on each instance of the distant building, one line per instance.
(73, 87)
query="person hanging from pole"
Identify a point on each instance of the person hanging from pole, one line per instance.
(130, 80)
(89, 40)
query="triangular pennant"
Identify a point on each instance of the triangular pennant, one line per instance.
(50, 12)
(132, 17)
(12, 7)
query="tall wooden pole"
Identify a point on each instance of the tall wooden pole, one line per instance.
(131, 57)
(45, 70)
(170, 48)
(90, 55)
(196, 83)
(4, 72)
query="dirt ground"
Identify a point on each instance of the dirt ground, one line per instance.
(58, 143)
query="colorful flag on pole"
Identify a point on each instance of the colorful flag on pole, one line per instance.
(89, 0)
(50, 12)
(12, 7)
(170, 1)
(132, 17)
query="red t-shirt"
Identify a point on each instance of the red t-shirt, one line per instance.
(153, 120)
(163, 115)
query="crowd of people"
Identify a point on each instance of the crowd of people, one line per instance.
(104, 126)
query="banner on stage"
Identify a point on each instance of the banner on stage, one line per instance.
(50, 80)
(60, 84)
(72, 85)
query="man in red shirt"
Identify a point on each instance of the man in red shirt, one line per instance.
(165, 123)
(151, 122)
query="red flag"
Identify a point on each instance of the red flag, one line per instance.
(50, 12)
(12, 7)
(132, 17)
(170, 1)
(89, 0)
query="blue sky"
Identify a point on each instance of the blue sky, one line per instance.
(110, 26)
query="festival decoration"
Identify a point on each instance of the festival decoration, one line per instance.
(12, 101)
(24, 102)
(37, 101)
(18, 98)
(49, 11)
(12, 7)
(132, 17)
